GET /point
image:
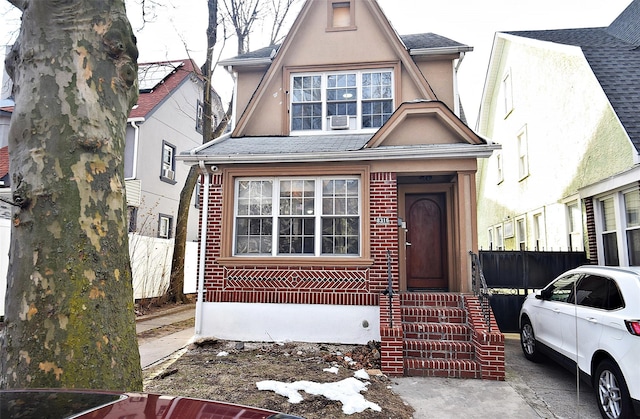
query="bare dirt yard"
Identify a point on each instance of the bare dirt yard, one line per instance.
(229, 371)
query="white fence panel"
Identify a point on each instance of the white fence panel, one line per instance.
(150, 265)
(190, 268)
(5, 240)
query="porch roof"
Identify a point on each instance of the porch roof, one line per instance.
(318, 148)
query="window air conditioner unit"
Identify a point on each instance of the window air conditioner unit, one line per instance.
(339, 122)
(169, 174)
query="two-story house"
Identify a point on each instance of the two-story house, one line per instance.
(349, 173)
(166, 120)
(564, 105)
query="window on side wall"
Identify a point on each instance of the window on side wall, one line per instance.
(609, 233)
(165, 224)
(500, 171)
(499, 238)
(523, 154)
(632, 227)
(507, 93)
(168, 173)
(538, 231)
(490, 236)
(297, 216)
(336, 101)
(574, 214)
(521, 233)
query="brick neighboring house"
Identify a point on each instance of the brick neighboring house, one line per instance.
(564, 104)
(349, 169)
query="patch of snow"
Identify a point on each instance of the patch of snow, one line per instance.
(346, 391)
(332, 369)
(223, 353)
(361, 374)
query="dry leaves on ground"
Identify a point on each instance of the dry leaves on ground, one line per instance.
(201, 372)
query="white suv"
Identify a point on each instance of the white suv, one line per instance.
(591, 316)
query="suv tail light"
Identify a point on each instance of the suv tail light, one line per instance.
(633, 326)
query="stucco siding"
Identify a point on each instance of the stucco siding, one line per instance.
(572, 138)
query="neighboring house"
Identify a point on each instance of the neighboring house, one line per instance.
(348, 170)
(564, 105)
(166, 120)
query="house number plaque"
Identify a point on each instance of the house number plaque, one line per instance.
(382, 220)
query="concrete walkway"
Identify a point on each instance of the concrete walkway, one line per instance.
(158, 349)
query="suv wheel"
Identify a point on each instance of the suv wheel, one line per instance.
(528, 341)
(614, 401)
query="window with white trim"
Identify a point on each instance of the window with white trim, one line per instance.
(499, 238)
(521, 233)
(353, 100)
(574, 214)
(499, 167)
(538, 231)
(297, 216)
(168, 173)
(523, 155)
(507, 93)
(164, 226)
(632, 227)
(490, 237)
(609, 232)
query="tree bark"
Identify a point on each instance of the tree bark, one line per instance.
(69, 318)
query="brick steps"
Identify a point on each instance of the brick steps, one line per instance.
(437, 340)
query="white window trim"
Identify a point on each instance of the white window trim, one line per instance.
(169, 221)
(499, 237)
(579, 234)
(507, 93)
(318, 216)
(522, 142)
(539, 241)
(323, 87)
(620, 218)
(521, 240)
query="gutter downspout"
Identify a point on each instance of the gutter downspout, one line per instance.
(203, 241)
(456, 102)
(136, 140)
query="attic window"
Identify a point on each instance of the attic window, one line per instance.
(341, 15)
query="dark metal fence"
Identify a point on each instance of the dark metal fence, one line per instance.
(511, 275)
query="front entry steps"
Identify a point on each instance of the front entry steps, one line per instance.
(440, 335)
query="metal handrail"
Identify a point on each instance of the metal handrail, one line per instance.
(480, 289)
(389, 290)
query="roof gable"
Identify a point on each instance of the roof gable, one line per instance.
(423, 123)
(311, 44)
(157, 81)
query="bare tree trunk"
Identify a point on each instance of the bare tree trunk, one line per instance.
(176, 282)
(69, 319)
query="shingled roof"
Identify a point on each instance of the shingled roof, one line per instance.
(151, 97)
(613, 53)
(419, 41)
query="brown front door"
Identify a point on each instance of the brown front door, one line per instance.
(427, 235)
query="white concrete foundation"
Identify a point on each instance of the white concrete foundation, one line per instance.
(288, 322)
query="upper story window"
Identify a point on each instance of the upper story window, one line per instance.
(523, 154)
(301, 216)
(507, 93)
(340, 15)
(168, 173)
(358, 100)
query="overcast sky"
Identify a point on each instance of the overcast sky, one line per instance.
(471, 22)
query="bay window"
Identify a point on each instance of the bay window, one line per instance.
(356, 100)
(297, 216)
